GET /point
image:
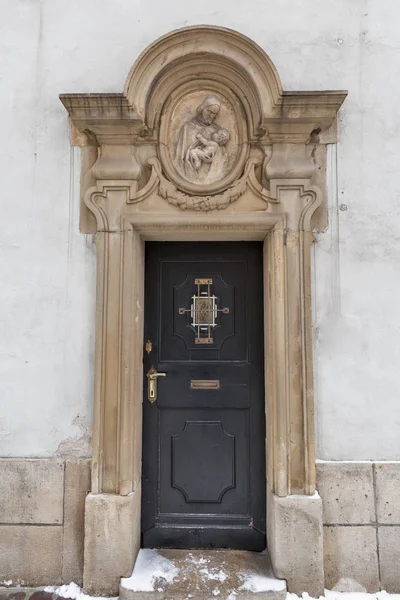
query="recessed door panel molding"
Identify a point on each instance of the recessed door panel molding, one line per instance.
(203, 452)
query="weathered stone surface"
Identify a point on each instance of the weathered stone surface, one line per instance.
(77, 486)
(296, 543)
(389, 558)
(349, 585)
(204, 574)
(31, 555)
(31, 491)
(112, 534)
(347, 493)
(12, 595)
(351, 552)
(27, 593)
(387, 492)
(41, 595)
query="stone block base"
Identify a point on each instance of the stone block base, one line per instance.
(31, 554)
(36, 593)
(112, 541)
(350, 554)
(42, 520)
(389, 557)
(295, 542)
(361, 513)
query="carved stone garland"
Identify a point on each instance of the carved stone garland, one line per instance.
(175, 197)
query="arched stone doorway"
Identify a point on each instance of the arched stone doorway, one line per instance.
(134, 191)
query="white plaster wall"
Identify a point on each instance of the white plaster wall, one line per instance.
(47, 272)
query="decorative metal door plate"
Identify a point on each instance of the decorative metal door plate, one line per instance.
(203, 311)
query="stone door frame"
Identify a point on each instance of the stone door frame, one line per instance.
(121, 284)
(118, 135)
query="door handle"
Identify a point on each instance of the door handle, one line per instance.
(152, 384)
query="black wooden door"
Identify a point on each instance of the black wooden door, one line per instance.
(204, 434)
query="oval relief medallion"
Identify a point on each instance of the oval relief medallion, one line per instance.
(201, 145)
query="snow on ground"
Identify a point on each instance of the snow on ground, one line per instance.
(75, 593)
(72, 591)
(152, 570)
(150, 566)
(332, 595)
(220, 576)
(259, 583)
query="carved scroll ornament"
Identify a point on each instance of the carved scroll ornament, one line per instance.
(174, 196)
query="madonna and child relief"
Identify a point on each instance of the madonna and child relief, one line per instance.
(204, 138)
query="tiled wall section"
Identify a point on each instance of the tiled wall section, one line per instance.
(361, 504)
(42, 522)
(42, 506)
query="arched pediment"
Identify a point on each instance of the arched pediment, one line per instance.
(210, 54)
(206, 53)
(202, 119)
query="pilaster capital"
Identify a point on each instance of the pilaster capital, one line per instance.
(117, 162)
(289, 161)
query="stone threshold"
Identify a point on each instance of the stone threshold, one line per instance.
(202, 575)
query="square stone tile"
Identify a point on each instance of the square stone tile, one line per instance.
(31, 555)
(388, 492)
(351, 552)
(347, 493)
(389, 558)
(31, 491)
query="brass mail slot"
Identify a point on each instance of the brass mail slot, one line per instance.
(204, 384)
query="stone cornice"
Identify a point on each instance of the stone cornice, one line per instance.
(299, 114)
(211, 54)
(110, 117)
(114, 121)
